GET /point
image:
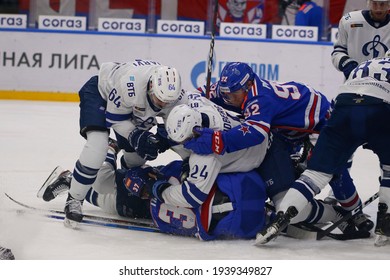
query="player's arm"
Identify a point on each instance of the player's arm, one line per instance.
(251, 132)
(340, 57)
(191, 193)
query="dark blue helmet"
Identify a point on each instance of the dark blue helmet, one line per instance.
(234, 76)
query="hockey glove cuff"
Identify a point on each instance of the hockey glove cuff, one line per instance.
(347, 65)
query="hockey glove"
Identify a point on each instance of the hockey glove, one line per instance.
(144, 143)
(163, 141)
(347, 65)
(206, 141)
(145, 182)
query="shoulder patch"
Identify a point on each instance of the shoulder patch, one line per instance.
(353, 25)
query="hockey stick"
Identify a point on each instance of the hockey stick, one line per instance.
(315, 231)
(96, 219)
(211, 52)
(346, 217)
(101, 222)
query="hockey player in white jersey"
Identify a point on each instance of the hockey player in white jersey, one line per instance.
(203, 170)
(362, 35)
(124, 97)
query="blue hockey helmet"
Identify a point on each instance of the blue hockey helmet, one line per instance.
(234, 76)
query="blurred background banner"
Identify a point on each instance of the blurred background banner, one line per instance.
(234, 11)
(63, 61)
(85, 33)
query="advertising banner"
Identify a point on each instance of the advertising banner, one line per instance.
(64, 61)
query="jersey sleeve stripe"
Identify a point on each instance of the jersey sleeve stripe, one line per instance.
(117, 117)
(261, 126)
(192, 194)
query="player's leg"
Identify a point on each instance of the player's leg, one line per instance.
(379, 139)
(93, 128)
(347, 196)
(59, 180)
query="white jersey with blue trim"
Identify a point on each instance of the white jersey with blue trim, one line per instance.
(360, 38)
(124, 87)
(204, 169)
(371, 78)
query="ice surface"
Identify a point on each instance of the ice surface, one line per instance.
(37, 136)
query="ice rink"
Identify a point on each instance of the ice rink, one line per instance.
(37, 136)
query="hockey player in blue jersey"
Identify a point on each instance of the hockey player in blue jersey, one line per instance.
(293, 110)
(360, 116)
(233, 209)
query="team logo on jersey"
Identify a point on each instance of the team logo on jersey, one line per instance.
(244, 129)
(374, 47)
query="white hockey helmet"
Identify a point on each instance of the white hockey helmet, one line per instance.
(180, 122)
(387, 54)
(165, 85)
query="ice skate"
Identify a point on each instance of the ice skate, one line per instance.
(6, 254)
(73, 212)
(347, 226)
(273, 230)
(57, 183)
(382, 229)
(362, 221)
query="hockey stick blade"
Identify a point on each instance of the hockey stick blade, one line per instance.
(346, 217)
(92, 219)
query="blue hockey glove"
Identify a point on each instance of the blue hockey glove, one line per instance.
(145, 182)
(206, 141)
(135, 180)
(144, 143)
(347, 65)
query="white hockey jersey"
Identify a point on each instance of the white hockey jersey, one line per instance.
(124, 87)
(360, 39)
(204, 169)
(370, 78)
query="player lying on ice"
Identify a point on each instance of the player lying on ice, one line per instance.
(232, 205)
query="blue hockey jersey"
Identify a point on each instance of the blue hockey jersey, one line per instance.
(292, 109)
(234, 209)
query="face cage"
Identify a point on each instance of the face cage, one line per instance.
(225, 97)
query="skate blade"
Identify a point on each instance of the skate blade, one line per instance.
(70, 224)
(264, 237)
(381, 240)
(53, 175)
